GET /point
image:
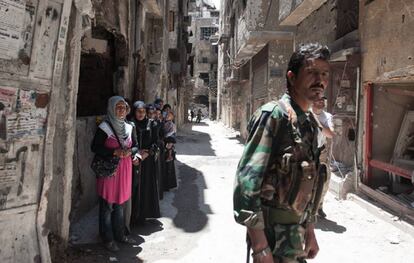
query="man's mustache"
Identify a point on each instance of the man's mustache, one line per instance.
(317, 86)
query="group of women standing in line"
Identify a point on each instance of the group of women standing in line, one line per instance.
(143, 140)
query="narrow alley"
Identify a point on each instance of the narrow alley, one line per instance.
(197, 223)
(122, 125)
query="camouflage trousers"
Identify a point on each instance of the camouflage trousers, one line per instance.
(287, 243)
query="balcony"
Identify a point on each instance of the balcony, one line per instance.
(257, 25)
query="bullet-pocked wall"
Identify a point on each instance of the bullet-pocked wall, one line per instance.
(388, 61)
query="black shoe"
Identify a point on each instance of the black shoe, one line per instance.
(128, 240)
(111, 246)
(321, 213)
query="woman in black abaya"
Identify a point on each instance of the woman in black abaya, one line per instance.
(145, 201)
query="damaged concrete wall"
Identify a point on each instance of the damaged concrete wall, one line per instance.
(320, 26)
(154, 49)
(292, 12)
(279, 54)
(387, 58)
(386, 40)
(113, 16)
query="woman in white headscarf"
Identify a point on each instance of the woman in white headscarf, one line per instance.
(114, 137)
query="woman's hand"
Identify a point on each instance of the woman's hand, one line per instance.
(119, 153)
(127, 153)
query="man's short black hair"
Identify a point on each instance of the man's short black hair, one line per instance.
(304, 52)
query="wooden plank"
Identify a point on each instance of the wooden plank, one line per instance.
(391, 168)
(400, 209)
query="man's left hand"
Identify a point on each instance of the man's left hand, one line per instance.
(311, 244)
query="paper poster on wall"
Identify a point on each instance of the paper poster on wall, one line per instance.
(19, 115)
(12, 16)
(7, 174)
(8, 97)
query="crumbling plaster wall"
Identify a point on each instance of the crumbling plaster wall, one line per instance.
(386, 39)
(154, 32)
(387, 56)
(113, 15)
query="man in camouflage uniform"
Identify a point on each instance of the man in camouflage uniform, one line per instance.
(279, 180)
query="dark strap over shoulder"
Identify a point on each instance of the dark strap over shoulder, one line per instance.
(116, 135)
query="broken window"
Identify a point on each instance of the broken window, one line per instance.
(205, 77)
(206, 32)
(347, 20)
(214, 13)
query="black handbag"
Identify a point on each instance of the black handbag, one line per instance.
(105, 166)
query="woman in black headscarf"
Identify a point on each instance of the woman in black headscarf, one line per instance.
(145, 197)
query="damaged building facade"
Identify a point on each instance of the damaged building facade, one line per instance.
(371, 82)
(60, 61)
(203, 59)
(253, 53)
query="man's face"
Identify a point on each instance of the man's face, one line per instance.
(319, 104)
(311, 80)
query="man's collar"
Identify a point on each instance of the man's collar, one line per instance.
(301, 115)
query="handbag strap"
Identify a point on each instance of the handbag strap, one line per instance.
(116, 135)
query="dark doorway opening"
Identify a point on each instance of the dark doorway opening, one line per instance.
(96, 78)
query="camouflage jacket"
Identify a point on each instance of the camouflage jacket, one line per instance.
(269, 139)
